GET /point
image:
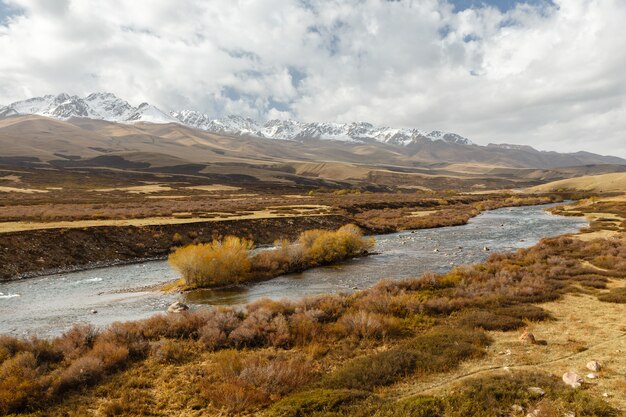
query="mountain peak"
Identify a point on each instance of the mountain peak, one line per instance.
(100, 106)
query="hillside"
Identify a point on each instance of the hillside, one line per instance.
(32, 141)
(356, 142)
(615, 182)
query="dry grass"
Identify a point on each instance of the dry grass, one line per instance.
(4, 189)
(214, 188)
(137, 189)
(6, 227)
(597, 336)
(597, 183)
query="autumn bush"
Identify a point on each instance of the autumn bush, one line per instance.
(229, 261)
(615, 295)
(323, 247)
(220, 262)
(20, 385)
(171, 352)
(489, 321)
(367, 325)
(245, 381)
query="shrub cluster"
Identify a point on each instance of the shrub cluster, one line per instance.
(220, 262)
(229, 261)
(615, 295)
(241, 381)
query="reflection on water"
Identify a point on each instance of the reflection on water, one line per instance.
(228, 296)
(51, 304)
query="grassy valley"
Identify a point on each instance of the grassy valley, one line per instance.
(481, 340)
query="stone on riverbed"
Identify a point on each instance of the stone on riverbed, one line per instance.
(177, 307)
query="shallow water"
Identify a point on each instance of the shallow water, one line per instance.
(48, 305)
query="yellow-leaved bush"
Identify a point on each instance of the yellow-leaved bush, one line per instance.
(229, 261)
(220, 262)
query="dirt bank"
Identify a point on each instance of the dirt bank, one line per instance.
(36, 252)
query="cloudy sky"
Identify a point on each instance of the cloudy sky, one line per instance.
(551, 74)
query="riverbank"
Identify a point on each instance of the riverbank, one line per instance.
(30, 253)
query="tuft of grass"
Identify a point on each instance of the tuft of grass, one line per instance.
(305, 404)
(496, 395)
(374, 370)
(490, 396)
(490, 321)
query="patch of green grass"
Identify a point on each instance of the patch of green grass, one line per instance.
(496, 395)
(439, 350)
(411, 407)
(524, 312)
(378, 369)
(305, 404)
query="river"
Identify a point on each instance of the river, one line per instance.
(49, 305)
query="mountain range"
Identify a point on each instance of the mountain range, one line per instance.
(107, 106)
(102, 131)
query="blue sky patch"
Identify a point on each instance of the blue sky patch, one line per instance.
(7, 12)
(503, 5)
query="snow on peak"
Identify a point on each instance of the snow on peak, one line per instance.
(101, 106)
(107, 106)
(358, 132)
(149, 113)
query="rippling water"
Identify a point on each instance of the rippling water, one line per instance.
(51, 304)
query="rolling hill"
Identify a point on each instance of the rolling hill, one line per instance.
(82, 142)
(606, 183)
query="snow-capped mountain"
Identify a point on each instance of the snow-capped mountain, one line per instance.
(299, 131)
(101, 106)
(107, 106)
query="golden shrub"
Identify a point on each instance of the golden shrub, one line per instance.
(228, 261)
(220, 262)
(325, 247)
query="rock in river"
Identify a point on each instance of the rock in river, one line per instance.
(177, 307)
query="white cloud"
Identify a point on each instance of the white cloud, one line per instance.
(549, 75)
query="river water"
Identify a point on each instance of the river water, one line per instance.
(49, 305)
